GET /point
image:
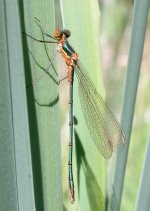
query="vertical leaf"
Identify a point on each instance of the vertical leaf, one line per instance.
(16, 185)
(43, 107)
(82, 18)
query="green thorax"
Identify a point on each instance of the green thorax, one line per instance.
(68, 49)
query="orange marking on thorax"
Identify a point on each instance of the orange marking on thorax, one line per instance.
(70, 61)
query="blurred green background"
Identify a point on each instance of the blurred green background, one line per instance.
(116, 35)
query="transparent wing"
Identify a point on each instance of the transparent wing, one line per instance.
(104, 128)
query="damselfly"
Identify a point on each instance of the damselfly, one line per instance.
(104, 128)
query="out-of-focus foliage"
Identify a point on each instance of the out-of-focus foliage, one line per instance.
(115, 54)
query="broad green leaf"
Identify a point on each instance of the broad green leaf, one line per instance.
(82, 18)
(43, 106)
(16, 179)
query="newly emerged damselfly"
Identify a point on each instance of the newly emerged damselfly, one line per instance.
(104, 128)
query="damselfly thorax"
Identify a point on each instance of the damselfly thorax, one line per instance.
(67, 52)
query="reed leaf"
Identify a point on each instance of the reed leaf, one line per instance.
(16, 178)
(43, 105)
(82, 18)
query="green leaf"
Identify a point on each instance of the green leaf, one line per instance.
(16, 181)
(82, 18)
(43, 106)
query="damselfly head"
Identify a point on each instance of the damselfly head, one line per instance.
(66, 32)
(59, 33)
